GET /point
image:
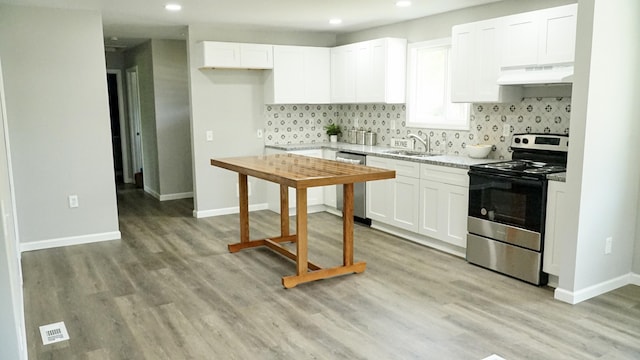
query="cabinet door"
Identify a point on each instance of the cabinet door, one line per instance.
(455, 204)
(520, 40)
(463, 62)
(557, 35)
(555, 229)
(329, 191)
(287, 73)
(487, 59)
(429, 209)
(256, 56)
(343, 76)
(371, 71)
(220, 54)
(317, 75)
(406, 192)
(379, 193)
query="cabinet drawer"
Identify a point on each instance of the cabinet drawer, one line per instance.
(406, 168)
(444, 174)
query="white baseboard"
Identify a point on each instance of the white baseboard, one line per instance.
(68, 241)
(420, 239)
(634, 279)
(226, 211)
(574, 297)
(176, 196)
(152, 192)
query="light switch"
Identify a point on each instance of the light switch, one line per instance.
(73, 201)
(209, 135)
(259, 133)
(393, 124)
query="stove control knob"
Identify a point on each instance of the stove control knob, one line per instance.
(525, 141)
(483, 211)
(517, 140)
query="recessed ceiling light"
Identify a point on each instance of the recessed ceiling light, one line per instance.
(403, 3)
(173, 7)
(335, 21)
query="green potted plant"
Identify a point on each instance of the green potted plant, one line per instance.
(333, 130)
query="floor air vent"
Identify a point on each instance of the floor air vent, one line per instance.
(53, 333)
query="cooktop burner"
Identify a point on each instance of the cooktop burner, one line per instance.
(522, 167)
(525, 166)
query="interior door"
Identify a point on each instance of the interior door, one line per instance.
(133, 97)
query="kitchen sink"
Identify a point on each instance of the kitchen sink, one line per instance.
(410, 153)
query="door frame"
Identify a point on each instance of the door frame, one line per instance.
(12, 237)
(124, 133)
(135, 118)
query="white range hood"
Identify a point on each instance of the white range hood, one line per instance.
(536, 75)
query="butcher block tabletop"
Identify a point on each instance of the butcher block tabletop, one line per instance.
(299, 171)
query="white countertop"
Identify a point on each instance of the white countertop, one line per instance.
(457, 161)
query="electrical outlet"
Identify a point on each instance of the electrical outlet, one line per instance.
(209, 135)
(506, 130)
(393, 124)
(356, 122)
(608, 243)
(73, 201)
(259, 133)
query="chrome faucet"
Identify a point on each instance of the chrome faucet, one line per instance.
(425, 141)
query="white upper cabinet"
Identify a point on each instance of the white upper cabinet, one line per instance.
(343, 74)
(300, 75)
(236, 55)
(369, 72)
(542, 37)
(558, 35)
(475, 50)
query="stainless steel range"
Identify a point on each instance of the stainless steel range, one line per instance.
(507, 205)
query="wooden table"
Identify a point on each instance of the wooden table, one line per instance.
(300, 172)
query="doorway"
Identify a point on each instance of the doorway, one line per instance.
(120, 148)
(135, 124)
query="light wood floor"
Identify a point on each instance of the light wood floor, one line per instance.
(170, 290)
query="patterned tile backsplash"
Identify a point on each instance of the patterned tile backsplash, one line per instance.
(294, 124)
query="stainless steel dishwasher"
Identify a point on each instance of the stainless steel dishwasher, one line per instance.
(359, 189)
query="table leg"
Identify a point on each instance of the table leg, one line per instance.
(347, 224)
(301, 231)
(284, 210)
(243, 193)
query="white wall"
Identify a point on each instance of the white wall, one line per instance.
(603, 174)
(171, 94)
(59, 127)
(231, 104)
(439, 26)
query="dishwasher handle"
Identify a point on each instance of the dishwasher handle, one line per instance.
(348, 161)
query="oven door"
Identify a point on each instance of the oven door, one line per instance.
(510, 200)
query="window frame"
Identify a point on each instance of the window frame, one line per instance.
(448, 121)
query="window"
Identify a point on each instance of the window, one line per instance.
(429, 88)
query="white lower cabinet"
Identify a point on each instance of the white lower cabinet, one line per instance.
(379, 192)
(395, 201)
(555, 229)
(329, 192)
(444, 198)
(424, 199)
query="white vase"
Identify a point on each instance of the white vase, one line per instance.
(333, 138)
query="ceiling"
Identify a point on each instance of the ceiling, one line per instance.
(143, 19)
